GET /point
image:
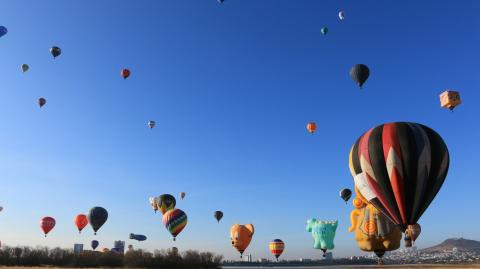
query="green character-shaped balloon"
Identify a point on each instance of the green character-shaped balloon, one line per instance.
(323, 233)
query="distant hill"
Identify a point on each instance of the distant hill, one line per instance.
(459, 243)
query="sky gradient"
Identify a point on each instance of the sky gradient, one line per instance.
(231, 88)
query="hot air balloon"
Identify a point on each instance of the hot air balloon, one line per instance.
(41, 101)
(97, 217)
(175, 221)
(125, 73)
(311, 127)
(450, 99)
(218, 215)
(182, 195)
(276, 247)
(153, 202)
(138, 237)
(221, 1)
(3, 31)
(80, 221)
(324, 30)
(346, 194)
(359, 73)
(374, 232)
(94, 244)
(47, 224)
(399, 168)
(25, 68)
(241, 235)
(323, 233)
(55, 51)
(1, 208)
(412, 233)
(151, 124)
(341, 15)
(166, 202)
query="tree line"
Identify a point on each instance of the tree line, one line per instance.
(58, 257)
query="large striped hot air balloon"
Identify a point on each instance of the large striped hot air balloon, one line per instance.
(276, 247)
(399, 168)
(174, 220)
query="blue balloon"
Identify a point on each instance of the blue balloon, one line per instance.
(138, 237)
(3, 30)
(94, 244)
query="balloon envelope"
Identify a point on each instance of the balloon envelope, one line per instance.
(182, 195)
(94, 244)
(276, 247)
(41, 101)
(360, 73)
(218, 215)
(324, 30)
(341, 15)
(153, 202)
(97, 217)
(47, 224)
(399, 168)
(151, 124)
(311, 127)
(3, 31)
(175, 221)
(125, 73)
(80, 221)
(166, 202)
(25, 68)
(240, 236)
(55, 51)
(346, 194)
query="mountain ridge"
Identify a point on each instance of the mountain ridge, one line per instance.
(461, 244)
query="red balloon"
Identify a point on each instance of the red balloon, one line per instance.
(80, 221)
(125, 73)
(47, 224)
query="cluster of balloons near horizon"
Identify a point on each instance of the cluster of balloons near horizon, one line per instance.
(398, 169)
(97, 216)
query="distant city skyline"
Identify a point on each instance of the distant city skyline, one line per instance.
(231, 88)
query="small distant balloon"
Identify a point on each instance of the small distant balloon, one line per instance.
(221, 1)
(311, 127)
(346, 194)
(94, 244)
(450, 99)
(182, 195)
(41, 101)
(360, 73)
(218, 215)
(341, 15)
(151, 124)
(324, 30)
(47, 224)
(3, 31)
(125, 73)
(1, 208)
(166, 202)
(55, 51)
(25, 68)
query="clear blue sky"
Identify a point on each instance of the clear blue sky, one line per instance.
(231, 87)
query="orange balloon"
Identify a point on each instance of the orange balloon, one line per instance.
(241, 235)
(414, 231)
(80, 221)
(311, 127)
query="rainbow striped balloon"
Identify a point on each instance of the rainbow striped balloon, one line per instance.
(276, 247)
(174, 220)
